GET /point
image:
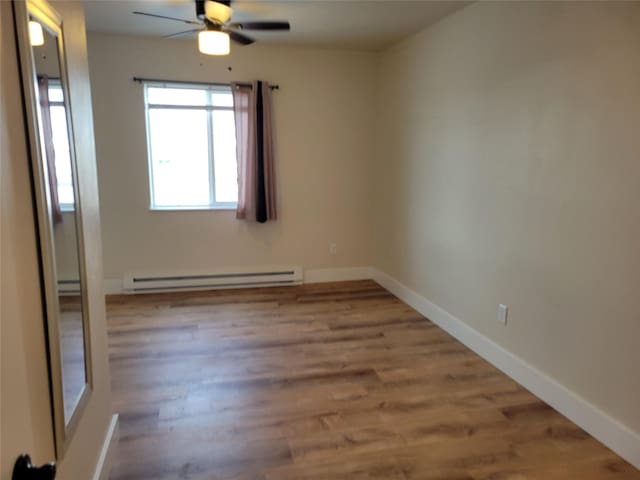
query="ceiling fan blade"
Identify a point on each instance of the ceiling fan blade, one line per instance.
(239, 37)
(261, 25)
(188, 22)
(174, 35)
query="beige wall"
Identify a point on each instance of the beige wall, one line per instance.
(26, 415)
(323, 117)
(64, 238)
(509, 172)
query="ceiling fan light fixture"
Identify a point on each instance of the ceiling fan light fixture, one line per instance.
(36, 35)
(213, 42)
(216, 11)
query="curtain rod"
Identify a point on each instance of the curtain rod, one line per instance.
(182, 82)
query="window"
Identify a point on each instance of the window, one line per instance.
(191, 147)
(61, 146)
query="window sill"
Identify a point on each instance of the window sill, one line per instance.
(191, 209)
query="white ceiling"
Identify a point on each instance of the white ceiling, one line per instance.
(349, 24)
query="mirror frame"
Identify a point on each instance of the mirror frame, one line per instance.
(53, 22)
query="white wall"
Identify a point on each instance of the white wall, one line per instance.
(508, 171)
(323, 116)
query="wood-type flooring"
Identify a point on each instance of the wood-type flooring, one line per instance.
(329, 381)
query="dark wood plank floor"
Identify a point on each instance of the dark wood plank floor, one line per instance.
(327, 381)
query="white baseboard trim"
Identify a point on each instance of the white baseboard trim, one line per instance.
(619, 438)
(113, 286)
(323, 275)
(107, 452)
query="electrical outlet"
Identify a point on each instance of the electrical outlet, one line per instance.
(333, 248)
(503, 311)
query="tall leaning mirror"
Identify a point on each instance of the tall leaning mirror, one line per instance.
(55, 184)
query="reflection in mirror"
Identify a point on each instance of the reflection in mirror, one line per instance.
(59, 172)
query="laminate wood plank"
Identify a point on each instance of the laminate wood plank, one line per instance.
(323, 382)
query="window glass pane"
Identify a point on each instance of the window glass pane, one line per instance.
(222, 99)
(179, 157)
(176, 96)
(63, 157)
(224, 154)
(55, 93)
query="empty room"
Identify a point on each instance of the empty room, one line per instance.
(320, 240)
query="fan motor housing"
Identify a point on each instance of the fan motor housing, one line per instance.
(200, 7)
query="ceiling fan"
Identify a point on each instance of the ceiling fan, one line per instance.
(215, 28)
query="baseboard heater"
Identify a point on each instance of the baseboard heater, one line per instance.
(206, 280)
(68, 287)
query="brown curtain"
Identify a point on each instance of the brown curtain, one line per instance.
(254, 147)
(49, 154)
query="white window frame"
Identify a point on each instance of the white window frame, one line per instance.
(64, 207)
(209, 108)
